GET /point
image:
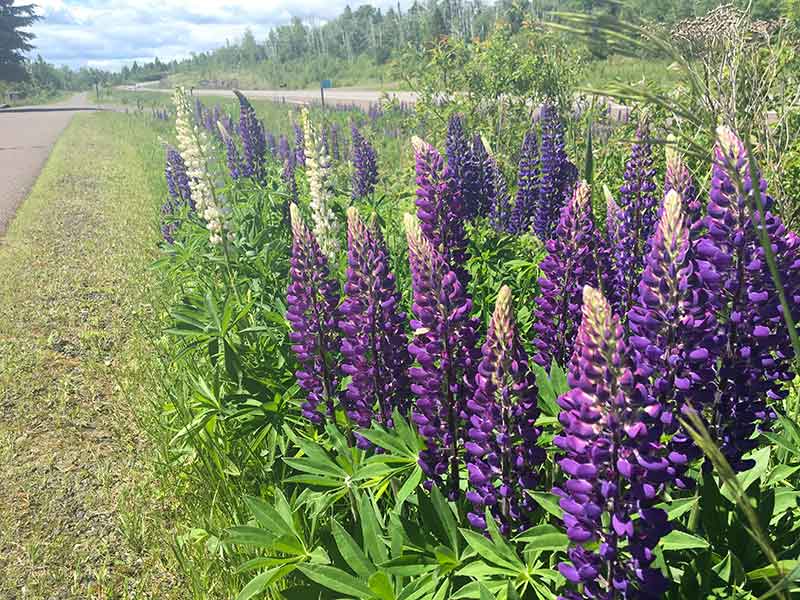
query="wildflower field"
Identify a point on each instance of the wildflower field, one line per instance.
(475, 350)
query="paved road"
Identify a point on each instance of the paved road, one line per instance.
(27, 135)
(359, 97)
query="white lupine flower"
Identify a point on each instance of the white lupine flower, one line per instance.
(317, 165)
(194, 148)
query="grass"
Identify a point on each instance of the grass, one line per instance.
(80, 516)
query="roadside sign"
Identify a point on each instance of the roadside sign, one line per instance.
(326, 84)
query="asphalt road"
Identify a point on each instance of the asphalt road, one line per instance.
(27, 135)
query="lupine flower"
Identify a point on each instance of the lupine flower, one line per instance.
(462, 170)
(335, 154)
(299, 144)
(502, 455)
(311, 311)
(439, 209)
(374, 343)
(254, 143)
(570, 265)
(500, 210)
(365, 166)
(285, 152)
(195, 151)
(607, 247)
(444, 348)
(637, 220)
(674, 334)
(558, 174)
(291, 182)
(755, 361)
(231, 153)
(177, 179)
(487, 175)
(679, 178)
(317, 167)
(272, 145)
(606, 451)
(527, 184)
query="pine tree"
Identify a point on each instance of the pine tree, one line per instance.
(14, 42)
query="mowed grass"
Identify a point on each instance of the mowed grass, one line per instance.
(80, 515)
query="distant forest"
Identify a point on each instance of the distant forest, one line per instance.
(367, 38)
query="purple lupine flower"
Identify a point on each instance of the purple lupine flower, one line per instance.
(311, 311)
(335, 153)
(439, 209)
(299, 146)
(444, 348)
(679, 178)
(637, 219)
(365, 166)
(502, 455)
(527, 184)
(756, 356)
(254, 144)
(177, 178)
(487, 175)
(272, 145)
(231, 153)
(674, 336)
(374, 342)
(285, 152)
(291, 182)
(462, 171)
(500, 210)
(557, 177)
(606, 445)
(569, 266)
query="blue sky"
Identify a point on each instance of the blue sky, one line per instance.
(113, 33)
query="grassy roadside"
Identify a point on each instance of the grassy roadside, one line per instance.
(79, 514)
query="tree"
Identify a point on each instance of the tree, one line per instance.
(14, 41)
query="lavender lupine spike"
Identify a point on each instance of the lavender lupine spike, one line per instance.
(335, 153)
(231, 153)
(502, 455)
(254, 143)
(311, 311)
(679, 178)
(444, 348)
(365, 166)
(487, 174)
(569, 266)
(462, 170)
(285, 152)
(299, 146)
(272, 146)
(374, 343)
(500, 209)
(177, 179)
(605, 444)
(674, 336)
(558, 174)
(291, 182)
(755, 361)
(638, 216)
(527, 184)
(439, 209)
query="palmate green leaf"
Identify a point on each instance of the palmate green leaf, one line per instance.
(268, 517)
(747, 478)
(409, 486)
(790, 568)
(418, 587)
(446, 517)
(549, 502)
(371, 530)
(680, 540)
(381, 586)
(500, 543)
(251, 536)
(730, 570)
(337, 580)
(543, 538)
(351, 552)
(679, 507)
(260, 582)
(409, 565)
(488, 551)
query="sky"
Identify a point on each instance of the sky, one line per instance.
(110, 34)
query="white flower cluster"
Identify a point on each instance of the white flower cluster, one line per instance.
(317, 165)
(194, 148)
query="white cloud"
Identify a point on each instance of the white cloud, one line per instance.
(111, 34)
